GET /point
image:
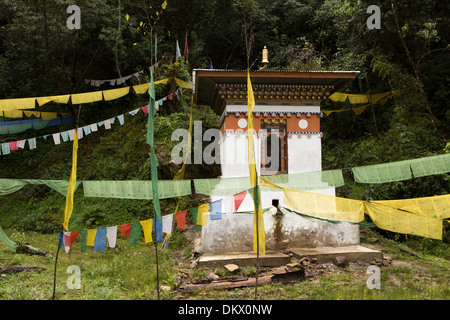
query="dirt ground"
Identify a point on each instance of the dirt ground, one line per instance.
(395, 264)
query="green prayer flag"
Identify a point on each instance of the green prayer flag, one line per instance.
(315, 180)
(151, 110)
(83, 239)
(430, 165)
(12, 245)
(221, 186)
(135, 233)
(382, 173)
(136, 189)
(194, 212)
(153, 160)
(8, 186)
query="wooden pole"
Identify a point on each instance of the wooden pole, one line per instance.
(54, 273)
(157, 264)
(62, 229)
(257, 253)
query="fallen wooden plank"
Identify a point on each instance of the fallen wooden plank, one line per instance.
(14, 269)
(287, 277)
(400, 248)
(227, 284)
(221, 279)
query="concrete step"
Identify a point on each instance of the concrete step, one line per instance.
(276, 259)
(327, 254)
(243, 259)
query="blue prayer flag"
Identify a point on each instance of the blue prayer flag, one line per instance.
(65, 136)
(158, 229)
(100, 237)
(61, 239)
(5, 148)
(215, 210)
(120, 119)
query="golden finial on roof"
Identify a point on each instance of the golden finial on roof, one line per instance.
(265, 56)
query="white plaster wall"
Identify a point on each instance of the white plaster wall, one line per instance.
(234, 233)
(234, 154)
(304, 154)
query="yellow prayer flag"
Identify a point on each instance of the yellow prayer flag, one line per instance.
(383, 213)
(16, 104)
(433, 207)
(360, 98)
(251, 147)
(141, 88)
(259, 238)
(321, 206)
(380, 97)
(183, 83)
(338, 97)
(48, 115)
(56, 99)
(72, 183)
(403, 222)
(147, 227)
(88, 97)
(13, 113)
(202, 215)
(115, 93)
(359, 110)
(90, 238)
(37, 114)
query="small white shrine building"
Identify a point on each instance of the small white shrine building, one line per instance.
(287, 113)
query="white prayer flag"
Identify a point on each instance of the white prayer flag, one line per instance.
(21, 144)
(107, 124)
(167, 223)
(94, 127)
(56, 138)
(66, 248)
(111, 235)
(32, 143)
(71, 134)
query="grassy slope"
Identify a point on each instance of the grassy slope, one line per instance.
(129, 273)
(34, 215)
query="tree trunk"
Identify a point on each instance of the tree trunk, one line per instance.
(417, 75)
(116, 55)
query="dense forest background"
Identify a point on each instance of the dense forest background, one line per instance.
(39, 55)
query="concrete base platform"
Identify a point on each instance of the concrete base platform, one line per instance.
(327, 254)
(243, 259)
(276, 259)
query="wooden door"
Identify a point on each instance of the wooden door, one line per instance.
(273, 146)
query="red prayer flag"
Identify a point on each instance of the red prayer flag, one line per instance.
(13, 146)
(238, 198)
(69, 239)
(144, 108)
(125, 230)
(181, 219)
